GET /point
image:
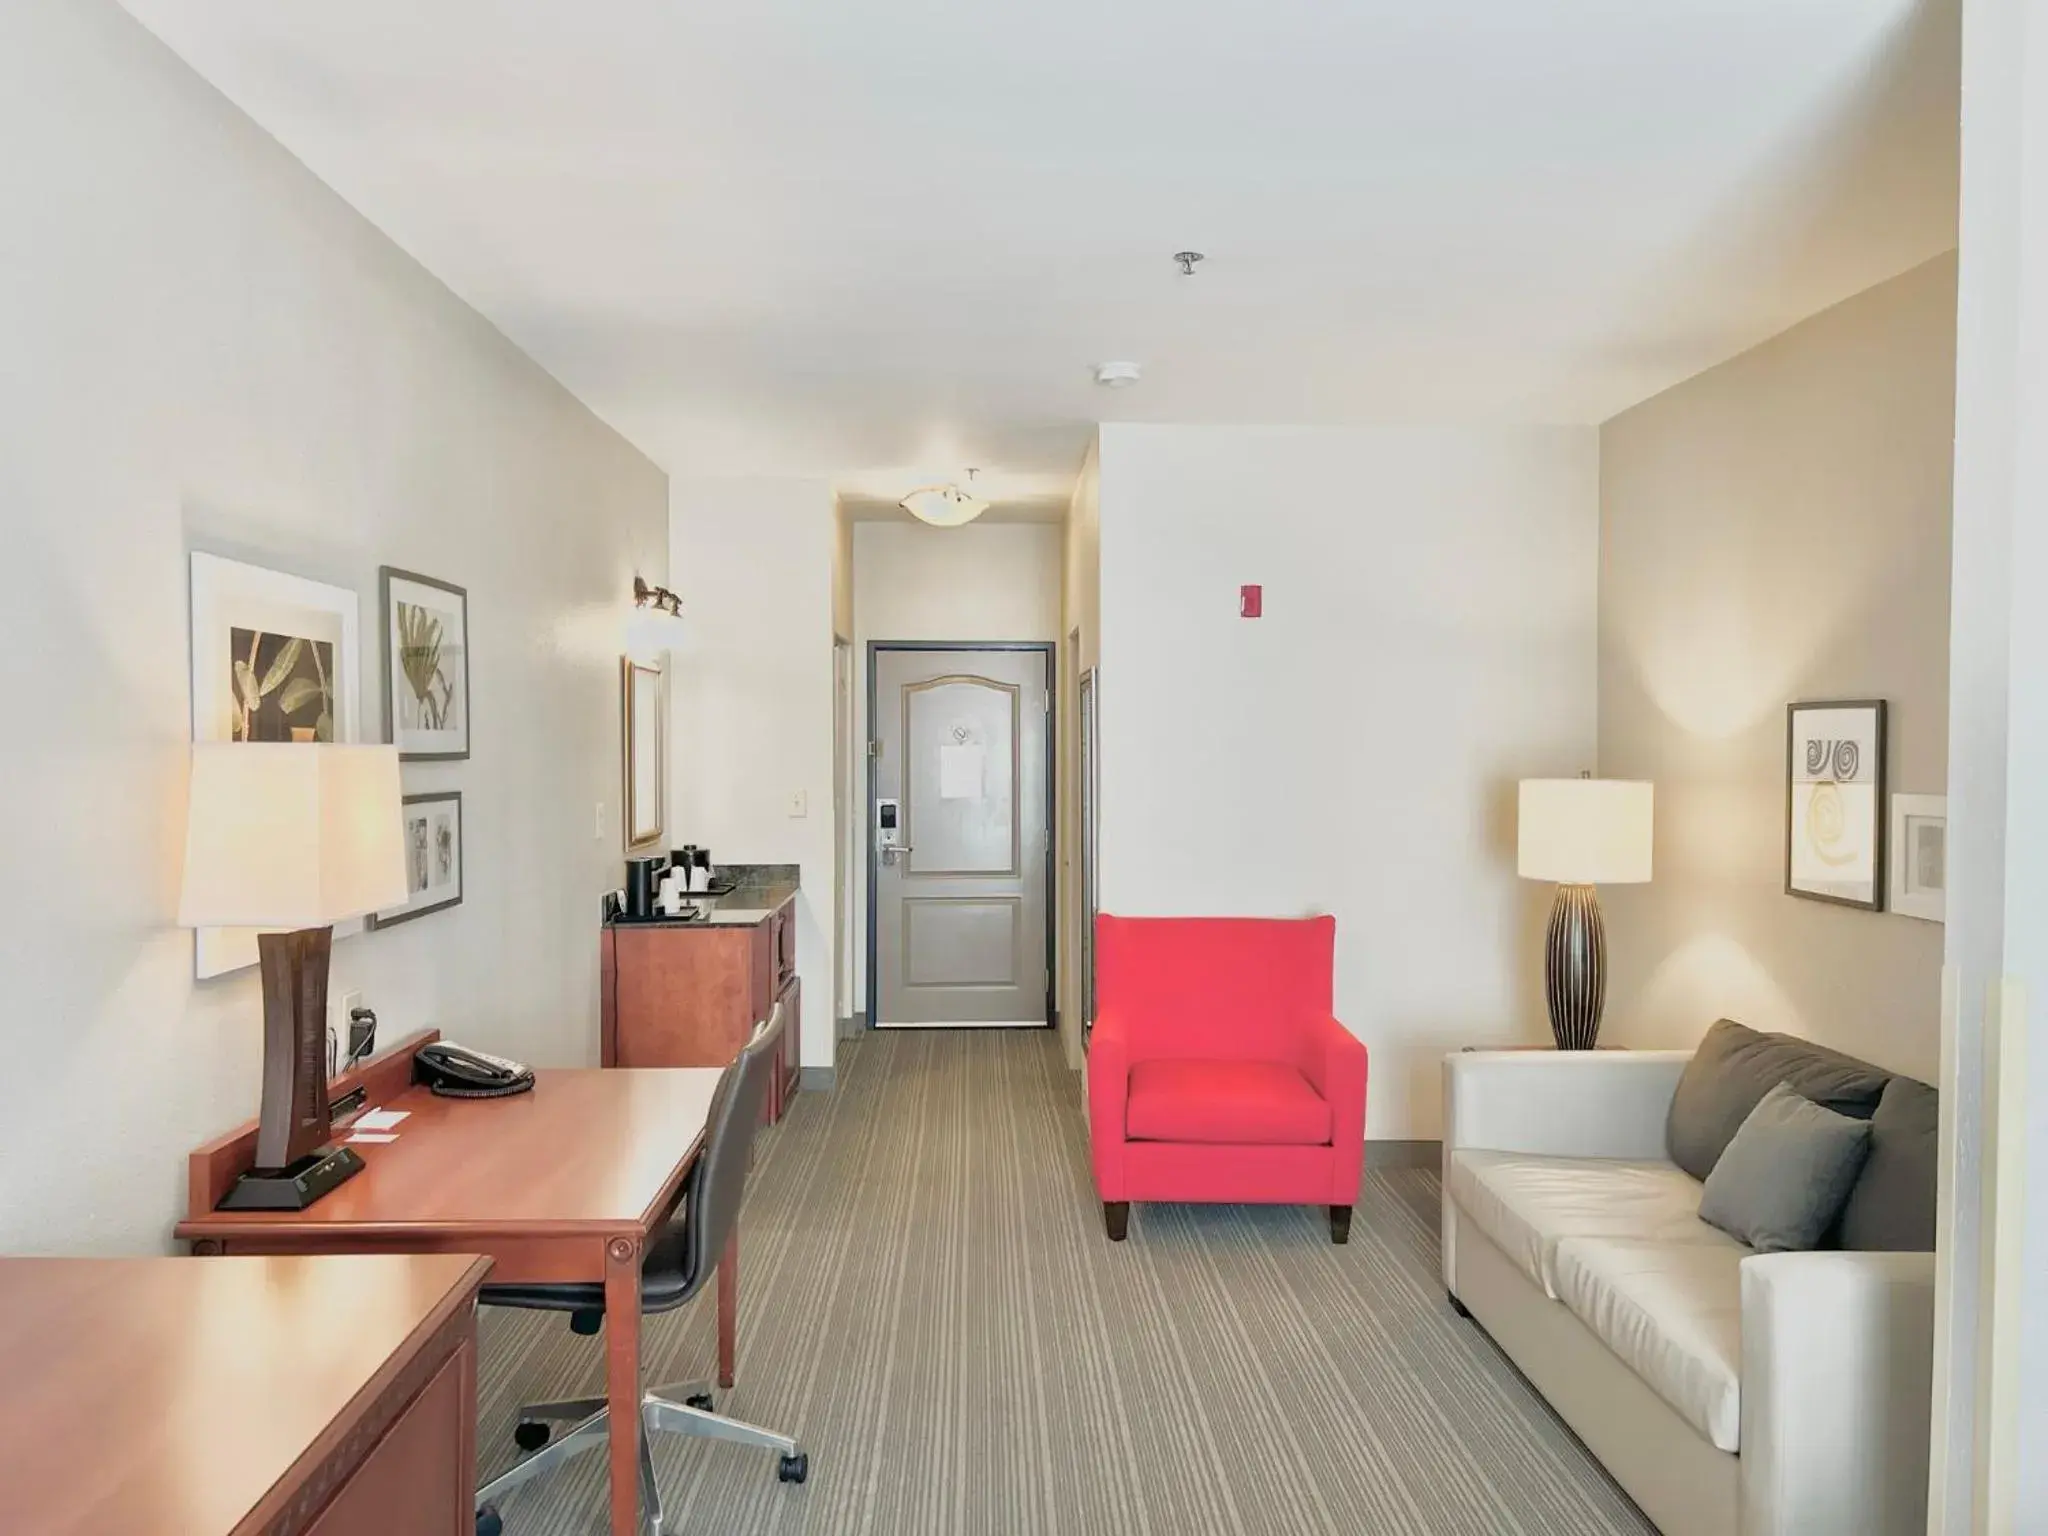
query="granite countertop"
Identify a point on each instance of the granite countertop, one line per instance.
(758, 892)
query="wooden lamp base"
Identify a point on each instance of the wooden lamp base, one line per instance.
(294, 1163)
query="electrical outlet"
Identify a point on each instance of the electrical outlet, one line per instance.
(799, 803)
(338, 1010)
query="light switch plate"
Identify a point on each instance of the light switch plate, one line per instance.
(597, 830)
(799, 803)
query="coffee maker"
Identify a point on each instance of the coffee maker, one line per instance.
(643, 882)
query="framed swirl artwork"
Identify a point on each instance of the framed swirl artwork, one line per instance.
(1835, 802)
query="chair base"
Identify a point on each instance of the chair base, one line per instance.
(1116, 1221)
(671, 1410)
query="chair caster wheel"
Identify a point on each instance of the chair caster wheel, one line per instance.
(529, 1436)
(489, 1522)
(793, 1469)
(700, 1400)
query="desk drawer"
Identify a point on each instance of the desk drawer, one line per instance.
(419, 1480)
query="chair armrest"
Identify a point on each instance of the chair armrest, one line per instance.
(1837, 1376)
(1334, 1062)
(1560, 1103)
(1108, 1069)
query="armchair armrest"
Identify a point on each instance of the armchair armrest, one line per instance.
(1334, 1062)
(1837, 1376)
(1560, 1103)
(1108, 1070)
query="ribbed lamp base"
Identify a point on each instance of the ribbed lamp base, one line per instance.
(1575, 968)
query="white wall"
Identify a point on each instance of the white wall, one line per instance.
(1998, 784)
(1773, 529)
(206, 347)
(1080, 626)
(751, 681)
(1428, 640)
(986, 581)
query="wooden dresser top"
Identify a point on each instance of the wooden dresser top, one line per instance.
(162, 1394)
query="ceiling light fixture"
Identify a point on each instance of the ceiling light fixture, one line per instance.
(944, 506)
(1117, 375)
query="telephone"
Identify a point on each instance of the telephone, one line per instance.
(457, 1072)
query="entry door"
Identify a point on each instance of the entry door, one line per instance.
(960, 902)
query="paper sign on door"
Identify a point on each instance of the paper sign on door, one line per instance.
(960, 772)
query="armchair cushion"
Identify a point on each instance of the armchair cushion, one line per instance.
(1242, 1103)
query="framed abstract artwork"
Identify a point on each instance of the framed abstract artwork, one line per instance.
(1918, 855)
(274, 658)
(433, 858)
(1835, 802)
(426, 666)
(643, 688)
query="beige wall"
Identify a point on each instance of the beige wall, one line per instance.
(1080, 622)
(1777, 529)
(205, 347)
(751, 681)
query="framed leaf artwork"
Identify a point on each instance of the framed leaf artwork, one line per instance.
(1834, 802)
(426, 666)
(274, 659)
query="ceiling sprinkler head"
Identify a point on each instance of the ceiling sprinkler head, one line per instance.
(1187, 260)
(1116, 375)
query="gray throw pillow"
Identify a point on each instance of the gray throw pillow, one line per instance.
(1733, 1069)
(1782, 1180)
(1891, 1208)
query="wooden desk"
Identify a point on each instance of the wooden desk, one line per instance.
(325, 1396)
(568, 1182)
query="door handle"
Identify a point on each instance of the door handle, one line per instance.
(890, 850)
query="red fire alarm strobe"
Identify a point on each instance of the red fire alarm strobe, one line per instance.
(1251, 601)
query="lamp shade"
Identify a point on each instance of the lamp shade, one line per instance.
(291, 835)
(1585, 831)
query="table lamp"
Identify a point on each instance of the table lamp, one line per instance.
(1581, 833)
(290, 838)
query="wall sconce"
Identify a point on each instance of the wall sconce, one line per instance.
(659, 599)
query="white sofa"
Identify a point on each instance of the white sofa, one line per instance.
(1725, 1390)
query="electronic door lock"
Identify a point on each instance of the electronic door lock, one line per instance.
(888, 825)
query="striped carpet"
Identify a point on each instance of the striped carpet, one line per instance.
(928, 1302)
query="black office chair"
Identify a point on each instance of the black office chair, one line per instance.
(678, 1264)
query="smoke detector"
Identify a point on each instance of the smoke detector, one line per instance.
(1117, 375)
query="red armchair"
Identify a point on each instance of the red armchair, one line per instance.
(1216, 1071)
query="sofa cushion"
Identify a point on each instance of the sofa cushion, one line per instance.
(1891, 1206)
(1672, 1313)
(1252, 1103)
(1783, 1180)
(1528, 1204)
(1735, 1066)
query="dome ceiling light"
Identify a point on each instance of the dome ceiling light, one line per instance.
(945, 506)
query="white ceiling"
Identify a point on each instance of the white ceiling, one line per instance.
(881, 240)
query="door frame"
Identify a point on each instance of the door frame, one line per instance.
(1050, 648)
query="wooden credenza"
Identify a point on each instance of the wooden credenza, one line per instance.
(329, 1396)
(689, 994)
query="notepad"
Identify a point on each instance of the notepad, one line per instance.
(380, 1119)
(375, 1138)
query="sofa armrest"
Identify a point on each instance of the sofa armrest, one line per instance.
(1837, 1376)
(1560, 1103)
(1334, 1061)
(1108, 1070)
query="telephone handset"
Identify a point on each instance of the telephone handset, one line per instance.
(457, 1072)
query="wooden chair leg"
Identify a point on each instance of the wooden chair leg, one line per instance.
(1340, 1223)
(1116, 1217)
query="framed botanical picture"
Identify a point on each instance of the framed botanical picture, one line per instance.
(433, 858)
(1835, 802)
(426, 666)
(643, 687)
(274, 658)
(1918, 856)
